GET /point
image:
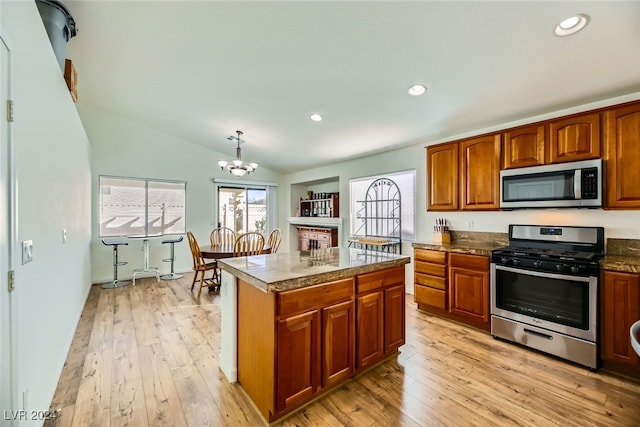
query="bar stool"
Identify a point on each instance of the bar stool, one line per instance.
(171, 259)
(116, 283)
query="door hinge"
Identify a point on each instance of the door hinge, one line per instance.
(10, 281)
(9, 110)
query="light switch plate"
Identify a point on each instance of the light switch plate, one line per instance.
(27, 251)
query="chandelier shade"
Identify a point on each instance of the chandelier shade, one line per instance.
(236, 166)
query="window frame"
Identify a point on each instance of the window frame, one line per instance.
(408, 198)
(271, 199)
(146, 182)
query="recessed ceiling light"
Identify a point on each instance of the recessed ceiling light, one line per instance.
(315, 117)
(571, 25)
(417, 90)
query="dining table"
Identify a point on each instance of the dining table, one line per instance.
(224, 251)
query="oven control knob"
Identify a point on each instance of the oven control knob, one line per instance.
(575, 269)
(515, 261)
(504, 260)
(559, 267)
(537, 264)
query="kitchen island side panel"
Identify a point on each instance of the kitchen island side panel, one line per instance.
(256, 341)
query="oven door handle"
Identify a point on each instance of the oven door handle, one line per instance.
(543, 274)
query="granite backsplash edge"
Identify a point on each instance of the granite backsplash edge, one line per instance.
(624, 247)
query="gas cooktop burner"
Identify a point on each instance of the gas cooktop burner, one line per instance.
(547, 253)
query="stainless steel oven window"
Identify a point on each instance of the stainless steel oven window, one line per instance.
(557, 302)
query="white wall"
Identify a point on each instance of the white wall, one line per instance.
(54, 192)
(121, 147)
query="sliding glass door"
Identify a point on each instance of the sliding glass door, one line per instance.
(242, 209)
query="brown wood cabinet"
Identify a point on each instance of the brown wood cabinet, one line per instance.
(380, 315)
(622, 157)
(574, 138)
(453, 285)
(620, 302)
(298, 359)
(442, 182)
(480, 173)
(317, 238)
(430, 278)
(295, 345)
(469, 286)
(524, 146)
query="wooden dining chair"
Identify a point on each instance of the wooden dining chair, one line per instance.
(200, 267)
(274, 240)
(250, 243)
(222, 236)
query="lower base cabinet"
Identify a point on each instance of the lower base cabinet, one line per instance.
(453, 285)
(380, 315)
(620, 308)
(322, 336)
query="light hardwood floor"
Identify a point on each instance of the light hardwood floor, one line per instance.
(147, 355)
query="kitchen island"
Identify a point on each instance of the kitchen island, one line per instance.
(295, 325)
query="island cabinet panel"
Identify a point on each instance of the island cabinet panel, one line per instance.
(295, 345)
(620, 302)
(480, 173)
(524, 146)
(622, 157)
(442, 181)
(574, 138)
(380, 315)
(469, 286)
(338, 339)
(298, 359)
(370, 346)
(257, 336)
(394, 318)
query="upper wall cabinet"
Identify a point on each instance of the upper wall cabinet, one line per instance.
(464, 174)
(574, 138)
(442, 182)
(622, 157)
(480, 173)
(524, 146)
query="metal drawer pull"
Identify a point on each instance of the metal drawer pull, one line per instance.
(538, 334)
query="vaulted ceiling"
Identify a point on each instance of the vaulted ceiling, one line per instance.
(200, 70)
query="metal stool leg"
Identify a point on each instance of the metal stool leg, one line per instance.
(116, 283)
(172, 275)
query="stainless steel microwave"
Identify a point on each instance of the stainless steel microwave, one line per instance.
(563, 185)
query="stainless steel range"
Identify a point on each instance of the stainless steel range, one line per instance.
(544, 289)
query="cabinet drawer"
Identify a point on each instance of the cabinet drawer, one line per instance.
(470, 262)
(431, 281)
(324, 237)
(379, 279)
(314, 297)
(431, 269)
(430, 296)
(437, 257)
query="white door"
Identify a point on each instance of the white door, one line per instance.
(7, 324)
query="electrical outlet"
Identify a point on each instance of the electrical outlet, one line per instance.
(27, 251)
(64, 235)
(469, 225)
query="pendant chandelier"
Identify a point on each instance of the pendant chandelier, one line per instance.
(237, 167)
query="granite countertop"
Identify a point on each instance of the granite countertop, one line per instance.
(622, 263)
(473, 248)
(286, 271)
